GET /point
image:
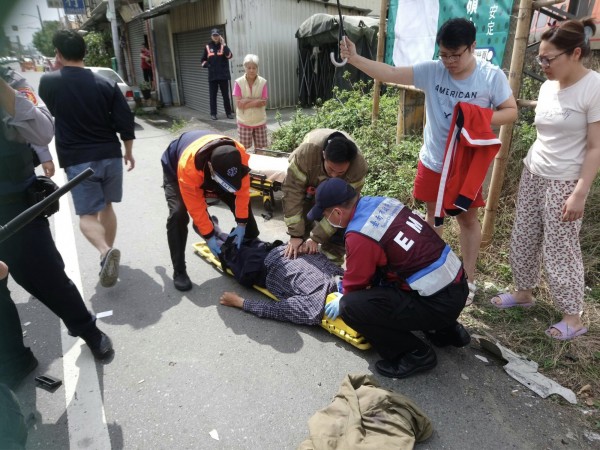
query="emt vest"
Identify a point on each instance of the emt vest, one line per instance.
(415, 253)
(16, 165)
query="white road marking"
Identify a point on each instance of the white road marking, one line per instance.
(85, 410)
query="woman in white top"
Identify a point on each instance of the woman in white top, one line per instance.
(250, 95)
(560, 168)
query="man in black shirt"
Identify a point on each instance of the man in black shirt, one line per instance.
(216, 59)
(89, 111)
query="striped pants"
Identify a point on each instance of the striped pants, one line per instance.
(539, 235)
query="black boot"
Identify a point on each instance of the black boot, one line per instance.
(455, 335)
(407, 364)
(181, 281)
(98, 342)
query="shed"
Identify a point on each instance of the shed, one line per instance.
(317, 37)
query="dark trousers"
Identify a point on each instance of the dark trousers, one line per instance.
(214, 87)
(13, 430)
(386, 316)
(34, 263)
(178, 220)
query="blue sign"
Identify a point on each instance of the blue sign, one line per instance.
(74, 6)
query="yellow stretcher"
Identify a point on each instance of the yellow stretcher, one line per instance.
(336, 327)
(267, 172)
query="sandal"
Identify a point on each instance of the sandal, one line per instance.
(509, 301)
(566, 332)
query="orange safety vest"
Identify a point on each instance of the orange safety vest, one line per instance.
(191, 180)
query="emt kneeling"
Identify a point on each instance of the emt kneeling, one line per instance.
(400, 277)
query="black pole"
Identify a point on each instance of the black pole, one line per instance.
(31, 213)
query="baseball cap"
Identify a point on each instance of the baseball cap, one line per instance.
(214, 31)
(228, 169)
(331, 192)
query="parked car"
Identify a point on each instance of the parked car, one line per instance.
(128, 91)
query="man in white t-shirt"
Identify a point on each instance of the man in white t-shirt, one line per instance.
(456, 77)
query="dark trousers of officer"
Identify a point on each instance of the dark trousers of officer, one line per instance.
(214, 87)
(386, 316)
(13, 430)
(178, 220)
(34, 263)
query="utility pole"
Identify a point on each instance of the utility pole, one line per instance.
(112, 17)
(40, 17)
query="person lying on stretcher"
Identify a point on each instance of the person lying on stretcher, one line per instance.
(301, 284)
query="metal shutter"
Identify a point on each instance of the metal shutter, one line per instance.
(192, 77)
(135, 31)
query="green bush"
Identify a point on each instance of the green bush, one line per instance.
(98, 49)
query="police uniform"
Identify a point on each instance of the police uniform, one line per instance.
(31, 255)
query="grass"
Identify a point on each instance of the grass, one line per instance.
(177, 125)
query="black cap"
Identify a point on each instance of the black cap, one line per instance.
(214, 31)
(331, 192)
(226, 162)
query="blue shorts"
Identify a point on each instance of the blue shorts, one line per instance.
(95, 192)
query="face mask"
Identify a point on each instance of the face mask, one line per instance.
(332, 224)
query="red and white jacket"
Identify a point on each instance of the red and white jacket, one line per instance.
(470, 149)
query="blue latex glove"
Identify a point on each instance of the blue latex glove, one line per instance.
(214, 246)
(332, 309)
(239, 233)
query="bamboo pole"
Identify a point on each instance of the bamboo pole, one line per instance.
(380, 51)
(514, 78)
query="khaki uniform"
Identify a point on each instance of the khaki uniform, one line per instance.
(306, 172)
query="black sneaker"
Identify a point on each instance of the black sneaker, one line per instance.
(98, 342)
(230, 116)
(182, 281)
(407, 364)
(456, 335)
(213, 116)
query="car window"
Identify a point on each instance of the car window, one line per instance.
(110, 74)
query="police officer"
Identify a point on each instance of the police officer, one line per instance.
(197, 165)
(216, 59)
(30, 254)
(400, 277)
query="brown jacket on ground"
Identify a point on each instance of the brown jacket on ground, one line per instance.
(363, 416)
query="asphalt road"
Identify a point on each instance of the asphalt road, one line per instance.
(184, 365)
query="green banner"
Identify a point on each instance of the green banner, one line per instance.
(411, 21)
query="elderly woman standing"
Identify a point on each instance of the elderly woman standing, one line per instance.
(560, 168)
(250, 95)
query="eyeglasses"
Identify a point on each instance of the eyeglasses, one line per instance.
(544, 61)
(452, 58)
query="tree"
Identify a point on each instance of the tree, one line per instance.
(42, 40)
(98, 49)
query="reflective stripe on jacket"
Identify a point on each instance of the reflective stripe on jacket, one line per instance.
(191, 180)
(415, 253)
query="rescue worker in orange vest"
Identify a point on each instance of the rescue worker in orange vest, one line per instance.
(196, 166)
